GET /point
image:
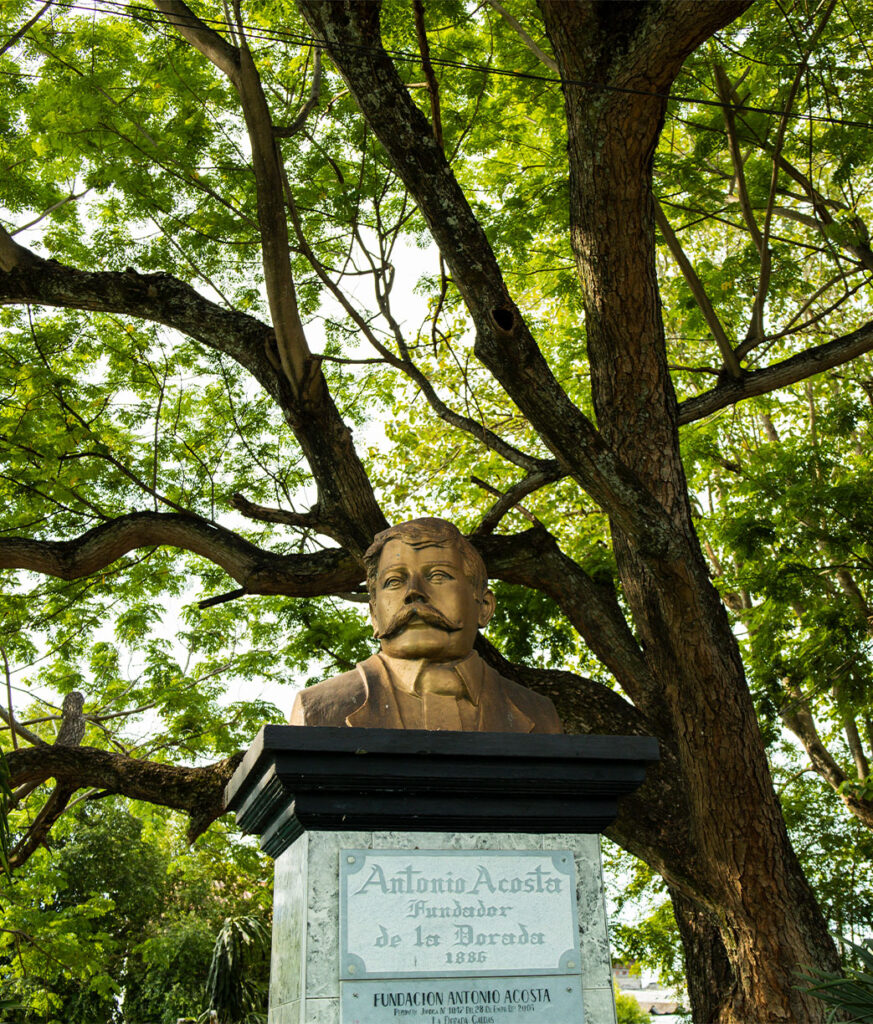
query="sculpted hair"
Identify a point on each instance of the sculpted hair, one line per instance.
(428, 532)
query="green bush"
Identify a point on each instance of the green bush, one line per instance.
(628, 1010)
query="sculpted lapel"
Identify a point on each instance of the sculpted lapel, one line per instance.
(380, 709)
(497, 713)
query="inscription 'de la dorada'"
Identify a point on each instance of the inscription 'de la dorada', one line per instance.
(427, 912)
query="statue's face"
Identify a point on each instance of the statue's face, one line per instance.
(424, 606)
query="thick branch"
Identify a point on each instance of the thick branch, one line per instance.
(503, 341)
(259, 571)
(48, 814)
(779, 375)
(13, 255)
(799, 720)
(533, 559)
(237, 64)
(350, 513)
(212, 45)
(264, 514)
(506, 502)
(197, 791)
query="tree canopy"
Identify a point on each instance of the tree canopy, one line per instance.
(589, 279)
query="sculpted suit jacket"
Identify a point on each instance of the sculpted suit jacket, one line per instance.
(366, 698)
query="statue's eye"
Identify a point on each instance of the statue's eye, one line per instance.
(391, 582)
(438, 576)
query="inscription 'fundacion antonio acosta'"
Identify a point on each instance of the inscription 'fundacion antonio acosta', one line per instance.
(451, 912)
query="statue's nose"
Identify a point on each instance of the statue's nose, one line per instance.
(414, 591)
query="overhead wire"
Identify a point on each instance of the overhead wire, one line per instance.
(150, 16)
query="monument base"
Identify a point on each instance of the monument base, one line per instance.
(305, 985)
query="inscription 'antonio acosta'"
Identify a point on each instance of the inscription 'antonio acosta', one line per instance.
(408, 880)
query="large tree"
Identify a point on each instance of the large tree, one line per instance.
(255, 163)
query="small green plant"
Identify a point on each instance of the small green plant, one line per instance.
(849, 994)
(628, 1010)
(241, 943)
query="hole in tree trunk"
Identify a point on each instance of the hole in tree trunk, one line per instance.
(503, 318)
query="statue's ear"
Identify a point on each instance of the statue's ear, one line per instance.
(486, 609)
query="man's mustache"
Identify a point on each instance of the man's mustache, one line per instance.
(424, 612)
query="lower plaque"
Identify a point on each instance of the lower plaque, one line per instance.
(550, 999)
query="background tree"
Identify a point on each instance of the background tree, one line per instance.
(116, 919)
(167, 427)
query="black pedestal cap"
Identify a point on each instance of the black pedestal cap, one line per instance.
(295, 778)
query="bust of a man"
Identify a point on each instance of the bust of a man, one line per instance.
(429, 597)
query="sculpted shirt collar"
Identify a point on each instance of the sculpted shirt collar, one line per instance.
(406, 672)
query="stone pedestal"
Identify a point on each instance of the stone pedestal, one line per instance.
(310, 793)
(304, 983)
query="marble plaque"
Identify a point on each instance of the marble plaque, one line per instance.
(444, 913)
(519, 1000)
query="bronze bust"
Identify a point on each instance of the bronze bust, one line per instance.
(429, 597)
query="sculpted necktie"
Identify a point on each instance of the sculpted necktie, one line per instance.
(441, 690)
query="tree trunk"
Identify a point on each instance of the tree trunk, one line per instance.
(746, 872)
(708, 970)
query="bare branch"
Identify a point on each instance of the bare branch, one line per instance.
(274, 515)
(532, 482)
(18, 33)
(19, 729)
(799, 720)
(429, 74)
(311, 103)
(71, 198)
(510, 20)
(723, 87)
(698, 291)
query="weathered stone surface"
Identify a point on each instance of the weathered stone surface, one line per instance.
(305, 980)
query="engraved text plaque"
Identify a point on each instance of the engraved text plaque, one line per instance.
(471, 913)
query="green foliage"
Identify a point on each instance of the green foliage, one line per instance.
(528, 627)
(642, 928)
(117, 920)
(850, 995)
(835, 849)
